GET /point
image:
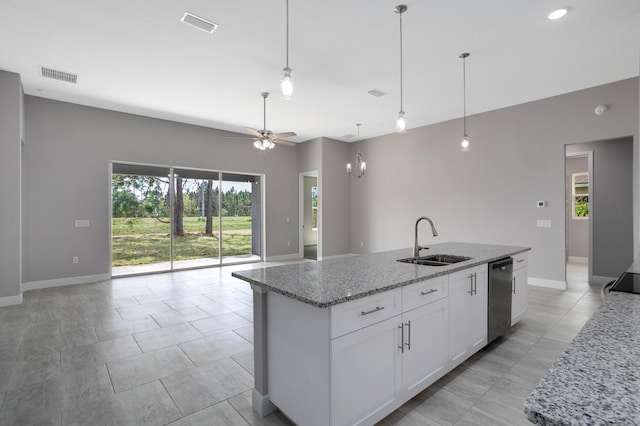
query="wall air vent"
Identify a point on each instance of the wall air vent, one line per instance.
(198, 22)
(59, 75)
(377, 93)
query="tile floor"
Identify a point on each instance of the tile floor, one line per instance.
(177, 349)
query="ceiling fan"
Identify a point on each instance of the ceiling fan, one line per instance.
(265, 139)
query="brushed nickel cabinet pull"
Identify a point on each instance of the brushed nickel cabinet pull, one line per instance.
(514, 285)
(409, 339)
(376, 309)
(424, 293)
(401, 347)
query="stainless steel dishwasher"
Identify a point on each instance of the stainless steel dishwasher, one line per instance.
(500, 290)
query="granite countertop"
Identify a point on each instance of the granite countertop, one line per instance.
(596, 380)
(329, 282)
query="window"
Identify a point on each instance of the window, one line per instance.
(314, 207)
(580, 195)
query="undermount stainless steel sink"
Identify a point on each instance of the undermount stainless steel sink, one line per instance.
(435, 259)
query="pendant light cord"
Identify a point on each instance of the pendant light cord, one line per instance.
(401, 88)
(464, 93)
(287, 33)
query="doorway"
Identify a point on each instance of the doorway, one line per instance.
(578, 197)
(309, 215)
(603, 198)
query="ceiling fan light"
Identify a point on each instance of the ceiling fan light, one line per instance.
(401, 123)
(349, 168)
(286, 85)
(258, 144)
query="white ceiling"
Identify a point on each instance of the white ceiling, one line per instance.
(137, 57)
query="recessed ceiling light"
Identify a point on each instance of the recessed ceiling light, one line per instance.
(558, 13)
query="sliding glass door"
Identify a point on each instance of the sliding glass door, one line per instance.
(140, 222)
(196, 239)
(166, 218)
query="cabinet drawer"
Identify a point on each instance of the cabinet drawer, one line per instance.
(422, 293)
(359, 313)
(520, 260)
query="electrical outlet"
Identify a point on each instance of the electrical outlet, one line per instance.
(76, 259)
(540, 223)
(288, 243)
(361, 243)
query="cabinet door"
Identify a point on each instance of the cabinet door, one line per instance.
(467, 313)
(478, 310)
(519, 296)
(366, 374)
(459, 288)
(426, 341)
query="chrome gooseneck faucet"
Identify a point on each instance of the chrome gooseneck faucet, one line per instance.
(416, 246)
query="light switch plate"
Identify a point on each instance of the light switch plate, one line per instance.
(82, 223)
(543, 223)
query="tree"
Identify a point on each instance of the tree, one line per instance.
(178, 213)
(208, 212)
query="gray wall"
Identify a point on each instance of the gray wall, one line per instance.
(612, 205)
(335, 199)
(67, 152)
(578, 232)
(488, 194)
(11, 130)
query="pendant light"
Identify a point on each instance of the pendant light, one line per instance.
(464, 143)
(286, 84)
(401, 122)
(361, 166)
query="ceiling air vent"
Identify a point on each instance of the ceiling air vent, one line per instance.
(377, 93)
(198, 22)
(58, 75)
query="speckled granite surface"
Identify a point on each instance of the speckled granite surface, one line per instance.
(332, 281)
(596, 380)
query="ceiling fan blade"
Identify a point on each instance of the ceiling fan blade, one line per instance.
(254, 132)
(284, 135)
(281, 142)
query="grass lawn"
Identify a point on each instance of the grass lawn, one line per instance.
(139, 241)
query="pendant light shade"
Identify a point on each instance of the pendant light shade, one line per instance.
(465, 145)
(361, 166)
(401, 122)
(286, 84)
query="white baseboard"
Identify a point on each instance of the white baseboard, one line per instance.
(576, 259)
(596, 279)
(337, 256)
(282, 257)
(61, 282)
(541, 282)
(10, 300)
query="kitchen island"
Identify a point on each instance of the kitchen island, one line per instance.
(596, 380)
(348, 340)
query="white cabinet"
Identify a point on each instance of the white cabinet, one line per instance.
(365, 374)
(425, 347)
(412, 347)
(468, 291)
(519, 288)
